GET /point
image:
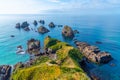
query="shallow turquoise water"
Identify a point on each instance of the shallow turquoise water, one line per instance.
(92, 28)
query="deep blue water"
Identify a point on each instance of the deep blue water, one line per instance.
(92, 28)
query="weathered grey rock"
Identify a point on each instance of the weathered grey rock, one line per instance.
(18, 25)
(42, 30)
(33, 46)
(42, 22)
(5, 71)
(51, 25)
(35, 23)
(68, 32)
(93, 53)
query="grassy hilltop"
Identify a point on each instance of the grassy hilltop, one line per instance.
(64, 67)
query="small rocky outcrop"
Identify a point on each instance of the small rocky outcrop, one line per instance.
(33, 46)
(93, 53)
(60, 25)
(51, 25)
(12, 35)
(5, 71)
(25, 26)
(42, 29)
(42, 22)
(35, 23)
(67, 32)
(18, 25)
(76, 32)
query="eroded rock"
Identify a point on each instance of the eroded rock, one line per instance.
(51, 25)
(67, 32)
(93, 53)
(33, 46)
(42, 29)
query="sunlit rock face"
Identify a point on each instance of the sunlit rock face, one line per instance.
(93, 53)
(67, 32)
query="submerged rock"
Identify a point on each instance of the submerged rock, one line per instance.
(51, 25)
(33, 46)
(42, 22)
(98, 42)
(42, 30)
(67, 32)
(93, 53)
(18, 25)
(60, 25)
(5, 71)
(35, 23)
(12, 36)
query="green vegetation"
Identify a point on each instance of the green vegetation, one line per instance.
(65, 67)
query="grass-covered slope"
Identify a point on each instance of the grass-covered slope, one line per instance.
(65, 67)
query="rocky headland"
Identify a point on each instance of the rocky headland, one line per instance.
(93, 53)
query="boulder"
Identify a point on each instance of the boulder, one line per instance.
(42, 22)
(93, 53)
(67, 32)
(35, 23)
(33, 46)
(18, 25)
(5, 71)
(51, 25)
(42, 30)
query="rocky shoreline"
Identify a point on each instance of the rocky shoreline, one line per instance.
(91, 53)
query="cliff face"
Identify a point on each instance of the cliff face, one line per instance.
(63, 64)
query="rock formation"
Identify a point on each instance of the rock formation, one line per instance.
(42, 30)
(76, 32)
(5, 71)
(42, 22)
(51, 25)
(18, 25)
(67, 32)
(33, 46)
(35, 23)
(93, 53)
(25, 25)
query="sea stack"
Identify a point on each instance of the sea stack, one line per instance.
(51, 25)
(67, 32)
(18, 25)
(42, 22)
(42, 30)
(35, 23)
(25, 26)
(33, 46)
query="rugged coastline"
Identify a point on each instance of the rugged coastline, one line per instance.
(53, 47)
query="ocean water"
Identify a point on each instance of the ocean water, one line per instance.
(92, 28)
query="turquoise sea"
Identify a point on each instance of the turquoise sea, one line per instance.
(92, 28)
